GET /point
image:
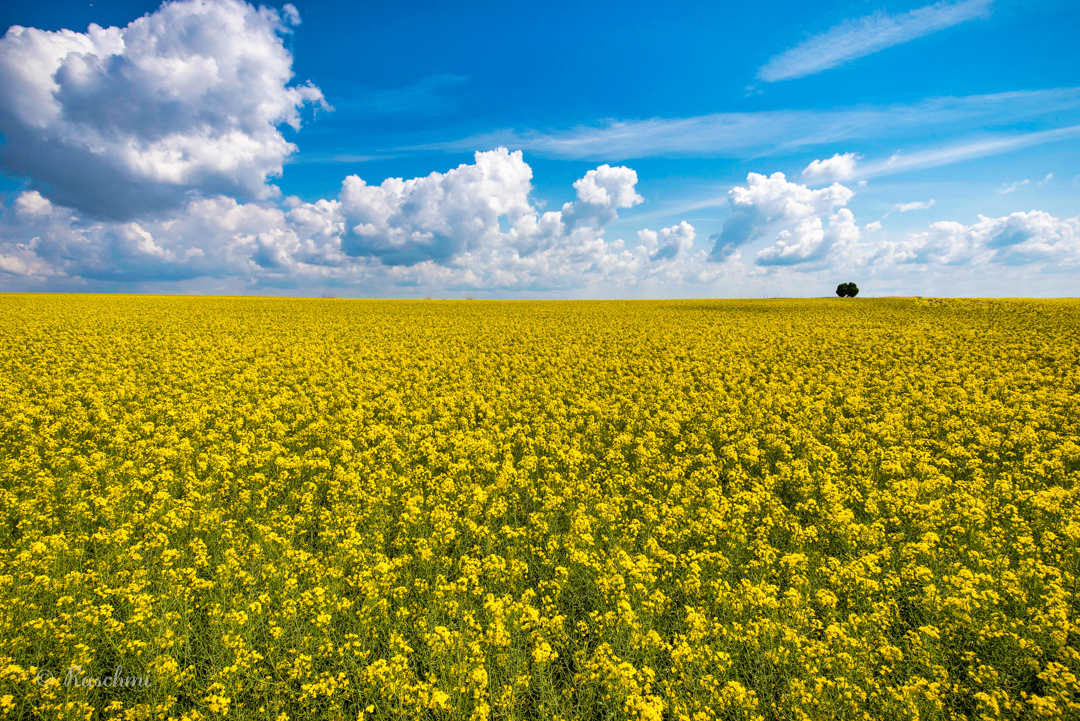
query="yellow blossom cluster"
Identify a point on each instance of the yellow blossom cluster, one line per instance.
(671, 510)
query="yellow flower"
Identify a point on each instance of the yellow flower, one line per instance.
(712, 509)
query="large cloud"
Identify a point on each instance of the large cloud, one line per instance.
(1017, 239)
(474, 226)
(443, 215)
(765, 201)
(477, 227)
(209, 237)
(810, 241)
(668, 243)
(122, 122)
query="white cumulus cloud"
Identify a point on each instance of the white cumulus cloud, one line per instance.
(1030, 238)
(668, 243)
(810, 241)
(443, 214)
(121, 122)
(608, 187)
(768, 200)
(838, 167)
(474, 226)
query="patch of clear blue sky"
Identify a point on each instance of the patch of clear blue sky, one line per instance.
(423, 73)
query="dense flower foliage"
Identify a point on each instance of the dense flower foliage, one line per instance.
(280, 508)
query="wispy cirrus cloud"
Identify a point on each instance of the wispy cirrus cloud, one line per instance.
(864, 36)
(1011, 188)
(756, 134)
(966, 151)
(916, 205)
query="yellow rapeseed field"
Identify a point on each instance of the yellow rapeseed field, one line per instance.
(296, 509)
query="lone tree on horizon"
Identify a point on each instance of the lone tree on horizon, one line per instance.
(847, 290)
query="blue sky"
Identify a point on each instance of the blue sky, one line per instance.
(626, 150)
